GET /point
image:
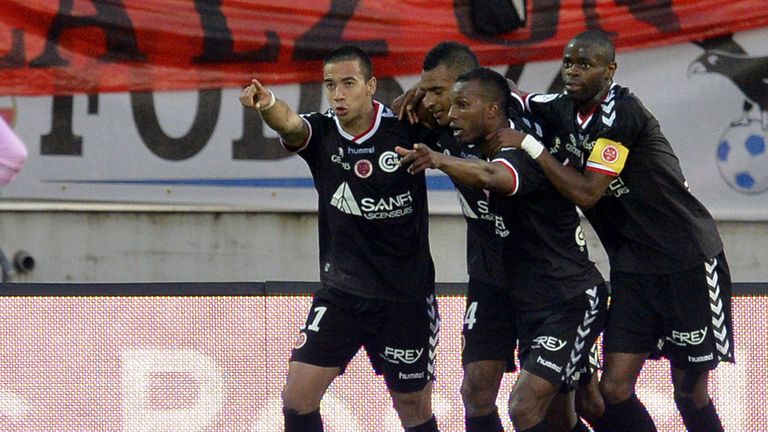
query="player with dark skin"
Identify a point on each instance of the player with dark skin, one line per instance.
(482, 379)
(473, 115)
(588, 69)
(349, 89)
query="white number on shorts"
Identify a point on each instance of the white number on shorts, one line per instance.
(469, 317)
(319, 312)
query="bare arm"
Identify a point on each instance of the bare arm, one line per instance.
(276, 113)
(471, 172)
(582, 189)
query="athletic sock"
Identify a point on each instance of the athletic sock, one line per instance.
(428, 426)
(628, 412)
(487, 423)
(580, 426)
(699, 420)
(309, 422)
(541, 427)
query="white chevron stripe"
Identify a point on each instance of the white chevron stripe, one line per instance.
(710, 266)
(720, 335)
(609, 120)
(723, 349)
(714, 293)
(712, 281)
(717, 308)
(608, 107)
(718, 322)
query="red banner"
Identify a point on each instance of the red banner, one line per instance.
(77, 46)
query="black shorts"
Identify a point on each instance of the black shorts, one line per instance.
(688, 314)
(489, 325)
(399, 337)
(556, 343)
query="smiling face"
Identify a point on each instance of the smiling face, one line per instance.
(437, 84)
(586, 72)
(469, 113)
(348, 92)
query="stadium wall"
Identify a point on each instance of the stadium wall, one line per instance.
(132, 243)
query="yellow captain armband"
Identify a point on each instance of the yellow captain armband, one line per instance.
(607, 157)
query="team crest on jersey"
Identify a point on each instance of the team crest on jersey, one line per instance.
(363, 168)
(388, 161)
(301, 340)
(610, 154)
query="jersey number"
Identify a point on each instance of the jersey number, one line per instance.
(315, 324)
(469, 317)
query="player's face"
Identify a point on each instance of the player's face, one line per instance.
(467, 114)
(437, 84)
(587, 75)
(347, 91)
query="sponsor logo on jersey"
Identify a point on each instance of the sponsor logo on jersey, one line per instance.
(549, 343)
(390, 207)
(410, 376)
(501, 229)
(388, 161)
(361, 150)
(617, 188)
(701, 359)
(339, 159)
(363, 168)
(372, 208)
(397, 355)
(344, 200)
(544, 98)
(548, 364)
(581, 241)
(695, 337)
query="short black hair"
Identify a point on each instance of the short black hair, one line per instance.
(494, 86)
(349, 52)
(452, 55)
(601, 41)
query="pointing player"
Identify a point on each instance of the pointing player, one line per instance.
(376, 269)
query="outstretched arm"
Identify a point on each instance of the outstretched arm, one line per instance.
(276, 113)
(476, 173)
(583, 189)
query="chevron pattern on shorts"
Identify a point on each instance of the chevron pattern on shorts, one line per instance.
(719, 327)
(570, 372)
(434, 327)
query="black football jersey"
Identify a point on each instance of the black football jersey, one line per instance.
(648, 220)
(483, 246)
(545, 253)
(372, 214)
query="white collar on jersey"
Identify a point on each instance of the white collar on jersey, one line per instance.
(583, 121)
(378, 112)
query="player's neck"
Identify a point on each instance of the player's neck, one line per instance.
(494, 125)
(360, 123)
(587, 107)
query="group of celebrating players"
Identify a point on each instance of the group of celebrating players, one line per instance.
(522, 163)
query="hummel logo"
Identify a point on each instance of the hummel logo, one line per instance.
(344, 200)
